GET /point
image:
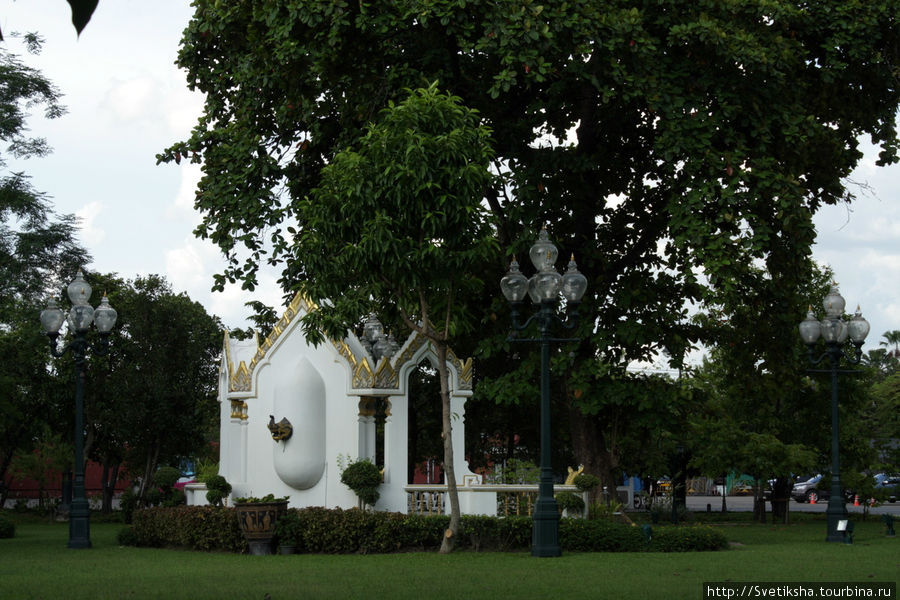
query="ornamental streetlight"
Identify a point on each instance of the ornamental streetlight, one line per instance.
(544, 288)
(80, 318)
(834, 331)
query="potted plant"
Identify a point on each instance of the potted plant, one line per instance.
(287, 531)
(257, 518)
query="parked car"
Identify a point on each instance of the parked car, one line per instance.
(808, 489)
(891, 482)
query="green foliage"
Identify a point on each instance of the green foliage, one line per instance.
(193, 527)
(166, 477)
(127, 504)
(127, 537)
(587, 535)
(319, 530)
(288, 529)
(39, 254)
(586, 482)
(217, 489)
(266, 498)
(571, 502)
(363, 477)
(7, 528)
(658, 140)
(206, 470)
(514, 470)
(605, 510)
(687, 539)
(153, 400)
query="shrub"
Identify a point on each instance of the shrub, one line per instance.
(127, 504)
(127, 537)
(287, 528)
(586, 482)
(363, 477)
(218, 489)
(7, 528)
(687, 539)
(175, 497)
(583, 535)
(570, 502)
(166, 477)
(153, 496)
(206, 470)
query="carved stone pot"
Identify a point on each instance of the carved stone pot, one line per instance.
(257, 520)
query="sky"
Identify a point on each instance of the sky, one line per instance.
(127, 101)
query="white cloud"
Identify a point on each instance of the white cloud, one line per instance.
(183, 207)
(190, 268)
(183, 107)
(91, 234)
(134, 99)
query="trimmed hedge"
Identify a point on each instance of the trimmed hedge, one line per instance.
(195, 527)
(337, 531)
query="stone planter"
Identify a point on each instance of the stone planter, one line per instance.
(257, 520)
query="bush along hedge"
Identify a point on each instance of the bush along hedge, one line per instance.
(338, 531)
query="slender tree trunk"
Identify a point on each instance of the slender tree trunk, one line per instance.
(149, 468)
(110, 477)
(759, 503)
(103, 477)
(449, 541)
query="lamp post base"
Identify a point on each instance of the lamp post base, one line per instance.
(545, 535)
(836, 511)
(80, 524)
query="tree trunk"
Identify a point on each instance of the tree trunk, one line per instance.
(149, 468)
(781, 497)
(759, 503)
(104, 475)
(588, 444)
(109, 485)
(449, 541)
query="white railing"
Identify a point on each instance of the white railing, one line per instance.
(510, 499)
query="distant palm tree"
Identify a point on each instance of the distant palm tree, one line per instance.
(892, 337)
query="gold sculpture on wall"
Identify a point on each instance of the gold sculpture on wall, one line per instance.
(282, 430)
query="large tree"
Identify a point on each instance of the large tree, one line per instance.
(152, 401)
(671, 145)
(38, 252)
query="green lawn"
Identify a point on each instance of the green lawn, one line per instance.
(37, 564)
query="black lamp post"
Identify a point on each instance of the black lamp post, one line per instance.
(544, 288)
(834, 331)
(80, 318)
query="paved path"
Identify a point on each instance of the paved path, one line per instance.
(745, 503)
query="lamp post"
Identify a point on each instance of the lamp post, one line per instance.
(80, 318)
(544, 288)
(834, 331)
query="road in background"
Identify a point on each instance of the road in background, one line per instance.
(745, 504)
